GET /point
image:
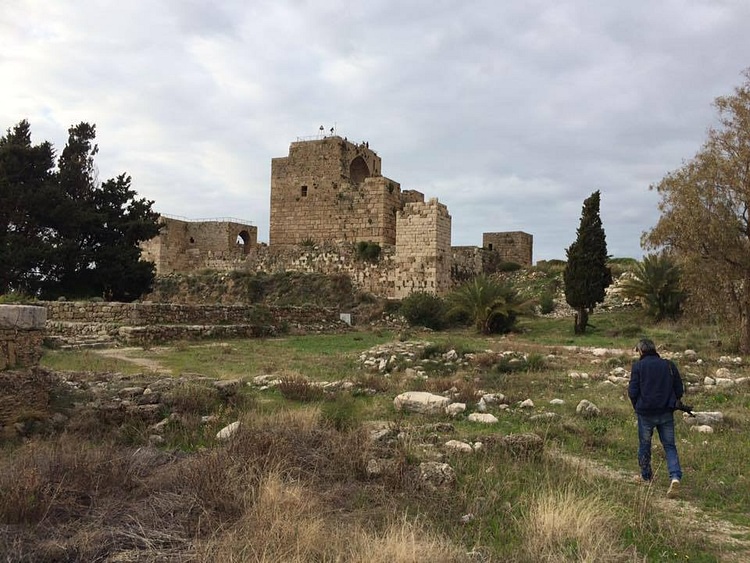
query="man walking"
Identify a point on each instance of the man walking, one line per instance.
(654, 389)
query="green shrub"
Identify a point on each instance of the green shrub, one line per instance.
(509, 267)
(492, 307)
(342, 412)
(368, 251)
(546, 303)
(424, 309)
(15, 298)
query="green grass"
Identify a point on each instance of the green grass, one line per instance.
(492, 486)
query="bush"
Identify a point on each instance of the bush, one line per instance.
(368, 251)
(492, 307)
(424, 309)
(297, 388)
(342, 413)
(509, 267)
(546, 303)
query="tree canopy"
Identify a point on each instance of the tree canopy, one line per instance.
(586, 274)
(62, 233)
(705, 218)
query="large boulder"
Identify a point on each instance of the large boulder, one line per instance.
(421, 402)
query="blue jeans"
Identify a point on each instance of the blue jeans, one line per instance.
(664, 424)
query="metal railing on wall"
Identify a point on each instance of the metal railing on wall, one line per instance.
(207, 220)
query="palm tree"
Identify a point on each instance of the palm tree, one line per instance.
(491, 306)
(655, 284)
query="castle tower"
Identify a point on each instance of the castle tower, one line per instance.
(512, 246)
(423, 249)
(331, 190)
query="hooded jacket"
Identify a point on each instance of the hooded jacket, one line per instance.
(655, 385)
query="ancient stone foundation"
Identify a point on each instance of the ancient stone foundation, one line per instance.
(22, 329)
(146, 323)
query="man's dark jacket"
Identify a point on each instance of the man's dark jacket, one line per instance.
(655, 385)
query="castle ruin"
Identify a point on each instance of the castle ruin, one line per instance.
(330, 193)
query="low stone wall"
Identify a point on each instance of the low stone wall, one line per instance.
(143, 323)
(22, 329)
(142, 314)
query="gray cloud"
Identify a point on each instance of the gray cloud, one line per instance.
(510, 113)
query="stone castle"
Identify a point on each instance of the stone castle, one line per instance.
(329, 198)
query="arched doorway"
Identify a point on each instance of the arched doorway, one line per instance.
(243, 238)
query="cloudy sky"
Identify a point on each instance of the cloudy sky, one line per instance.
(511, 113)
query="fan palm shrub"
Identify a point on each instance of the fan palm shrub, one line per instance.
(491, 306)
(655, 284)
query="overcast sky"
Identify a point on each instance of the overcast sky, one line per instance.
(510, 113)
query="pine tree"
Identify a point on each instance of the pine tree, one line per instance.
(586, 274)
(63, 233)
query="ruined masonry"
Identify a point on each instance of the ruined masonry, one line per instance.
(21, 334)
(327, 195)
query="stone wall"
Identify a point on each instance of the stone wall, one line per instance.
(423, 244)
(329, 258)
(512, 246)
(22, 329)
(148, 323)
(185, 246)
(331, 190)
(144, 314)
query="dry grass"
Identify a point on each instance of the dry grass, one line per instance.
(287, 487)
(287, 521)
(565, 525)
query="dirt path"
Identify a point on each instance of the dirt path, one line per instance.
(124, 355)
(719, 532)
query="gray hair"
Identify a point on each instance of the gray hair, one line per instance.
(645, 347)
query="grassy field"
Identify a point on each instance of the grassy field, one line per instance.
(293, 483)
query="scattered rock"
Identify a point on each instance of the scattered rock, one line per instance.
(454, 409)
(587, 409)
(434, 474)
(484, 418)
(421, 402)
(228, 431)
(458, 446)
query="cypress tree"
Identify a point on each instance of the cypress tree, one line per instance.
(586, 274)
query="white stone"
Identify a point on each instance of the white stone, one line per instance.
(527, 404)
(702, 429)
(451, 355)
(484, 418)
(557, 402)
(723, 372)
(421, 402)
(228, 431)
(493, 398)
(482, 405)
(454, 409)
(587, 408)
(709, 380)
(701, 418)
(458, 446)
